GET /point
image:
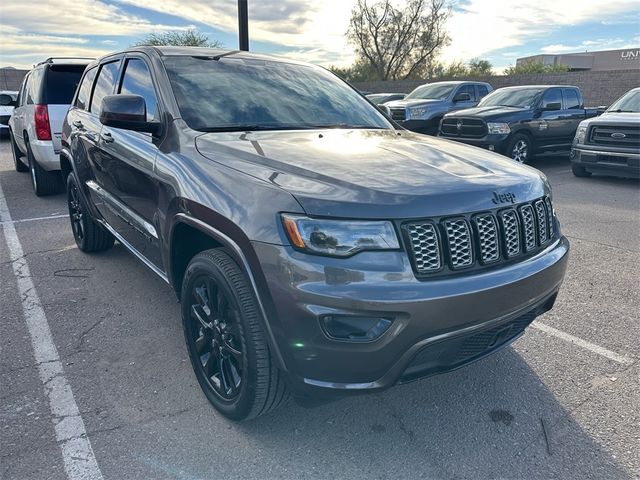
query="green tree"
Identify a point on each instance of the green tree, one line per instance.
(358, 72)
(181, 38)
(395, 42)
(480, 68)
(535, 67)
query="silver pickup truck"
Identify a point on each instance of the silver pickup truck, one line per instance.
(422, 110)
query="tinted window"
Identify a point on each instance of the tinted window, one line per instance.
(61, 82)
(247, 94)
(104, 85)
(571, 99)
(137, 81)
(512, 97)
(85, 89)
(467, 89)
(552, 95)
(482, 91)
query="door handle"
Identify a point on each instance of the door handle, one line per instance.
(78, 124)
(106, 137)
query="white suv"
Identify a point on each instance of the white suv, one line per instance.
(36, 123)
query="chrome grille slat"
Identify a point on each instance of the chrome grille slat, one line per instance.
(488, 238)
(541, 216)
(444, 245)
(426, 247)
(511, 230)
(459, 243)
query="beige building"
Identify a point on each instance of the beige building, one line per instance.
(625, 59)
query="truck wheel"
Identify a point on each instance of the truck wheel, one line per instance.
(89, 235)
(520, 148)
(44, 182)
(226, 343)
(17, 154)
(579, 171)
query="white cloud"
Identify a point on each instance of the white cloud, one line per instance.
(590, 45)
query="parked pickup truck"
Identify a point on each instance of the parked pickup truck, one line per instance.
(520, 121)
(610, 144)
(422, 110)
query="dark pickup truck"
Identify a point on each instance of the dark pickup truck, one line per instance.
(520, 121)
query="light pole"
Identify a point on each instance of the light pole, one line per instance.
(243, 25)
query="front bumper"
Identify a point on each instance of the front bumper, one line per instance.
(617, 163)
(493, 141)
(429, 127)
(431, 319)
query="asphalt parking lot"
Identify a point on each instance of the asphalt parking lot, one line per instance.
(562, 402)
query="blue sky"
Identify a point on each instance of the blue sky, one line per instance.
(311, 30)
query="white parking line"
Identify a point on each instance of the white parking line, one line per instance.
(34, 219)
(77, 454)
(592, 347)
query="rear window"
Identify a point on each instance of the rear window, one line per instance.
(61, 82)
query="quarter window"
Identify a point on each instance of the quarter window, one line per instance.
(104, 85)
(84, 93)
(137, 81)
(571, 99)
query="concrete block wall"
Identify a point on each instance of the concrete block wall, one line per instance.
(598, 88)
(11, 78)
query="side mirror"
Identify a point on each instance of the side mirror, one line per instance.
(601, 109)
(385, 110)
(552, 106)
(7, 100)
(462, 97)
(128, 112)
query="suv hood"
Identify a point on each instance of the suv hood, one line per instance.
(413, 102)
(374, 173)
(487, 113)
(614, 118)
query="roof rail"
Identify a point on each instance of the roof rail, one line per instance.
(52, 59)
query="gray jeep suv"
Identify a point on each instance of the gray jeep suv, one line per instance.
(315, 249)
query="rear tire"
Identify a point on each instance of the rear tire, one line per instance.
(44, 182)
(579, 171)
(225, 339)
(89, 235)
(520, 148)
(17, 155)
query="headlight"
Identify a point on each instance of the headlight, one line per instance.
(581, 132)
(339, 238)
(417, 112)
(498, 127)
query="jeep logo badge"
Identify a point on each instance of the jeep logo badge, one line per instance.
(499, 198)
(618, 135)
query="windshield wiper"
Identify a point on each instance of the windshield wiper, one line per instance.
(620, 110)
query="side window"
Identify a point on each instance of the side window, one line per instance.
(552, 95)
(137, 81)
(21, 94)
(468, 89)
(482, 91)
(31, 90)
(84, 92)
(571, 99)
(104, 85)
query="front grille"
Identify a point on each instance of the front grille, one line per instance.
(398, 113)
(444, 245)
(463, 127)
(627, 136)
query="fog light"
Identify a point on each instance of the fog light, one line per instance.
(492, 148)
(354, 328)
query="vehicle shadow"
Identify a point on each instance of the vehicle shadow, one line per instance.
(493, 419)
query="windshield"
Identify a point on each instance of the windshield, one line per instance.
(434, 91)
(508, 97)
(629, 103)
(236, 94)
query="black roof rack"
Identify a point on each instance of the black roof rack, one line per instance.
(52, 59)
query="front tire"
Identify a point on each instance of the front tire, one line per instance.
(89, 235)
(17, 155)
(227, 346)
(579, 171)
(520, 148)
(44, 182)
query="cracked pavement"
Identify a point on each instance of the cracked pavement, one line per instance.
(543, 408)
